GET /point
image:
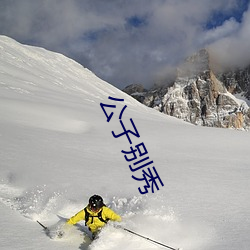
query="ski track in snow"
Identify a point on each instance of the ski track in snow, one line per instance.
(145, 216)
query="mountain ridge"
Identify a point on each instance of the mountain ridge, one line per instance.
(201, 95)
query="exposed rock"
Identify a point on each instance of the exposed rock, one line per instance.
(201, 97)
(237, 81)
(137, 91)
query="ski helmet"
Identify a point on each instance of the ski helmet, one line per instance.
(96, 202)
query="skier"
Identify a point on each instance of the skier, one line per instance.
(95, 214)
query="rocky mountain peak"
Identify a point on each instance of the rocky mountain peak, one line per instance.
(202, 97)
(196, 64)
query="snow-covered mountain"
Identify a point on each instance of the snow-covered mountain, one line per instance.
(57, 149)
(201, 95)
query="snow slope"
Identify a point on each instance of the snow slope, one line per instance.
(57, 149)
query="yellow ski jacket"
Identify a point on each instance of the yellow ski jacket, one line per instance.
(94, 223)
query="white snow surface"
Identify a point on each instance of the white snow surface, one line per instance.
(57, 149)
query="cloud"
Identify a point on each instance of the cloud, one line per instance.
(233, 49)
(228, 28)
(125, 42)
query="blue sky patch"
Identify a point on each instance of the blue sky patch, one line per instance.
(219, 17)
(136, 21)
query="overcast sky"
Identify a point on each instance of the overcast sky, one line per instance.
(131, 41)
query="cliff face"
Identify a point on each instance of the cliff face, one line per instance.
(237, 81)
(201, 97)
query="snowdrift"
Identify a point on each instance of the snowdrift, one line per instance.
(57, 149)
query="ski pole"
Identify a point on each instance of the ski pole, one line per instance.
(150, 239)
(45, 228)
